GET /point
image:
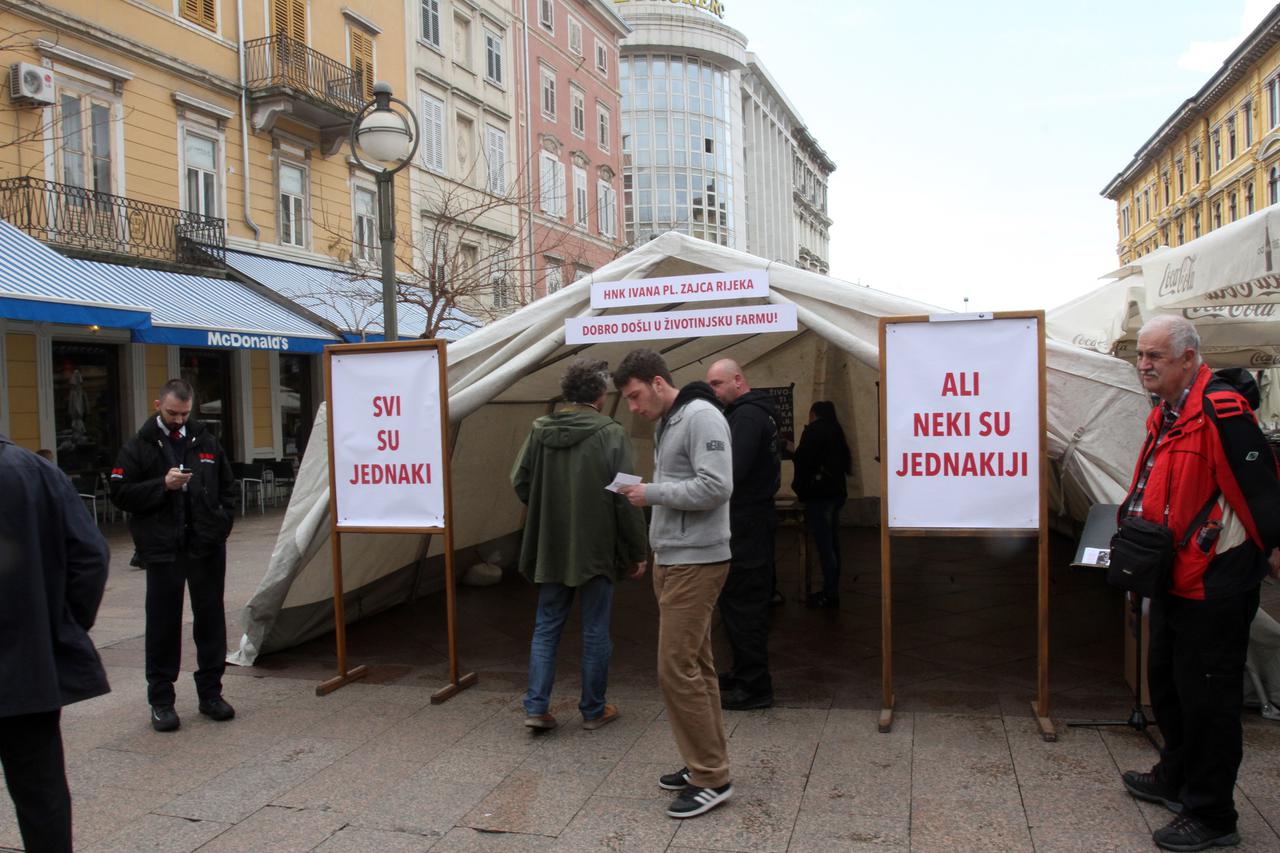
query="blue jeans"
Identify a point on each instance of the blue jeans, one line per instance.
(554, 602)
(823, 518)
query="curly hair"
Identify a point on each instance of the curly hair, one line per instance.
(585, 380)
(642, 364)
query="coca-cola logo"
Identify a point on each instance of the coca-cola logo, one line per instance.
(1267, 285)
(1263, 359)
(1231, 312)
(1090, 343)
(1179, 279)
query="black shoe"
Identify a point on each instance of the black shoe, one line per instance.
(217, 709)
(741, 700)
(695, 801)
(1187, 833)
(1145, 786)
(677, 781)
(164, 718)
(727, 681)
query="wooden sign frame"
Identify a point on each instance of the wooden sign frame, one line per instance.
(346, 676)
(1040, 707)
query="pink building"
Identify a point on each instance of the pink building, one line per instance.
(568, 104)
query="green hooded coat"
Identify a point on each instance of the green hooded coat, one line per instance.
(575, 529)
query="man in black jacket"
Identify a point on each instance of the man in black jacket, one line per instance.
(745, 599)
(53, 569)
(174, 480)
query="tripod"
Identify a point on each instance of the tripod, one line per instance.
(1138, 719)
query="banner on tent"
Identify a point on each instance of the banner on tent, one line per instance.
(962, 424)
(387, 447)
(740, 320)
(685, 288)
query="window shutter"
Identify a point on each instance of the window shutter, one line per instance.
(362, 62)
(433, 133)
(561, 191)
(202, 12)
(547, 185)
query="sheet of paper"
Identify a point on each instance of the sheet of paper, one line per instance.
(623, 480)
(1097, 557)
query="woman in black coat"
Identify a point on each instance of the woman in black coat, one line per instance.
(822, 462)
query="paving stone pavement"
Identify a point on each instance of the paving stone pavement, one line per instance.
(376, 767)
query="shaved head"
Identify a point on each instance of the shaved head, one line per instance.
(726, 379)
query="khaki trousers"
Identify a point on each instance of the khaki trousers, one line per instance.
(687, 597)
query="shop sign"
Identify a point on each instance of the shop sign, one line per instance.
(236, 340)
(704, 322)
(684, 288)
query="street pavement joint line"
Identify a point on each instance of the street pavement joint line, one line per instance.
(1008, 745)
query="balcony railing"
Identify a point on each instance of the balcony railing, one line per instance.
(91, 223)
(286, 63)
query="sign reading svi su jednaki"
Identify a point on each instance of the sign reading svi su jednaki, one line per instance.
(962, 424)
(387, 446)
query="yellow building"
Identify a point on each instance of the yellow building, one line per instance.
(179, 135)
(1215, 160)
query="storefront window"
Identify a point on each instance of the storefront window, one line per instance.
(209, 372)
(296, 405)
(86, 405)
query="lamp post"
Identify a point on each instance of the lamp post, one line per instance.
(388, 139)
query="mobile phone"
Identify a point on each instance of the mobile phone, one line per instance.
(183, 469)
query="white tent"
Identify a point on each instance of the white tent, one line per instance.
(507, 373)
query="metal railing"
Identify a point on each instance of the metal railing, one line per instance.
(90, 222)
(281, 61)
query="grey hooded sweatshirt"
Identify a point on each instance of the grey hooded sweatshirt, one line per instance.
(692, 481)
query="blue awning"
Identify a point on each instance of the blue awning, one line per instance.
(350, 301)
(209, 312)
(38, 284)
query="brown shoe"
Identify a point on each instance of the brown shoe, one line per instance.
(608, 715)
(544, 722)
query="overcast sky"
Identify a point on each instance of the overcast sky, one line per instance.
(971, 140)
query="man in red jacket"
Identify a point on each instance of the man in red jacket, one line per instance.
(1203, 449)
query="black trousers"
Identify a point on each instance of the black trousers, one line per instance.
(31, 751)
(204, 577)
(1196, 677)
(745, 599)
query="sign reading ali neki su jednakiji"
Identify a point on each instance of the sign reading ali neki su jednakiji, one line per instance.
(711, 287)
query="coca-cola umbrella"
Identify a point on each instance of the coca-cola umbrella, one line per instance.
(1237, 264)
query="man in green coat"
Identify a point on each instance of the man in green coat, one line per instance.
(577, 536)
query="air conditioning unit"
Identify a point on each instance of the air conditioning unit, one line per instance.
(30, 84)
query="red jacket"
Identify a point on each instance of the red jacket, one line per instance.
(1214, 445)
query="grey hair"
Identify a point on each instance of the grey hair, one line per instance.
(585, 380)
(1182, 333)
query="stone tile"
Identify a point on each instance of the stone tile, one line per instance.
(757, 817)
(531, 802)
(279, 830)
(607, 824)
(851, 831)
(1109, 810)
(637, 779)
(97, 811)
(350, 784)
(1078, 759)
(1057, 839)
(172, 772)
(958, 824)
(862, 794)
(353, 839)
(159, 833)
(466, 840)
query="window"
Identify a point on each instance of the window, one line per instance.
(493, 57)
(1216, 222)
(1217, 150)
(1248, 198)
(1273, 185)
(1195, 224)
(607, 209)
(1232, 208)
(1248, 123)
(548, 93)
(200, 166)
(200, 12)
(85, 127)
(1124, 221)
(1195, 160)
(1181, 234)
(365, 221)
(1231, 139)
(580, 198)
(602, 126)
(602, 58)
(1166, 190)
(495, 146)
(1273, 102)
(431, 22)
(434, 255)
(500, 280)
(546, 15)
(289, 18)
(552, 185)
(362, 63)
(1182, 183)
(433, 133)
(579, 111)
(293, 205)
(575, 37)
(555, 276)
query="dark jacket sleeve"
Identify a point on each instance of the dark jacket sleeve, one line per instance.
(128, 490)
(226, 483)
(746, 432)
(633, 534)
(1246, 467)
(88, 557)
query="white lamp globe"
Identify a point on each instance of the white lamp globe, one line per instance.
(384, 136)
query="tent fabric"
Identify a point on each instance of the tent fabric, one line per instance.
(350, 301)
(201, 311)
(38, 284)
(503, 375)
(1232, 265)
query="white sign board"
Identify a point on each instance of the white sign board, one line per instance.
(740, 320)
(387, 448)
(962, 424)
(684, 288)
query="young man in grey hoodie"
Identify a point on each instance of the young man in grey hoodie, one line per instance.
(689, 534)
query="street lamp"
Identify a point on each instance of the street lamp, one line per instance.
(388, 139)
